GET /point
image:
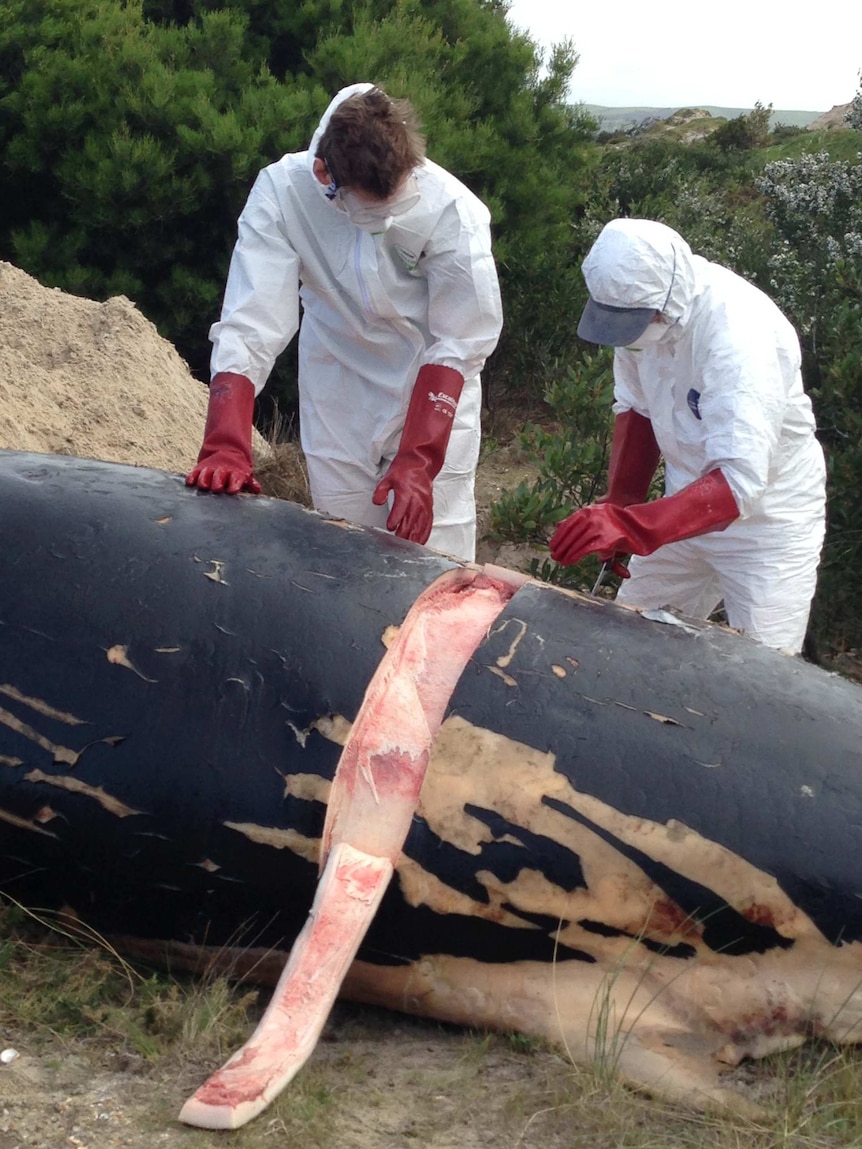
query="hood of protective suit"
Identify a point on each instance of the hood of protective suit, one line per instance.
(639, 263)
(339, 98)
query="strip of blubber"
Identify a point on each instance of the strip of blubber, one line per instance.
(373, 797)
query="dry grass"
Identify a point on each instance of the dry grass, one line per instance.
(282, 474)
(58, 979)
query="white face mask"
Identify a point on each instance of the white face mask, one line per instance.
(372, 220)
(378, 216)
(654, 333)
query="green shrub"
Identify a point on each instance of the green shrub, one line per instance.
(572, 460)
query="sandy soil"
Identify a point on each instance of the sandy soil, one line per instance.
(375, 1081)
(92, 379)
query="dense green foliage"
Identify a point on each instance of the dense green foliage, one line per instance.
(127, 149)
(745, 132)
(131, 131)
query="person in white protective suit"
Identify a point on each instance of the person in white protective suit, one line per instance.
(390, 257)
(707, 376)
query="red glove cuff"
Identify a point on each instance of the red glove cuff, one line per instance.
(707, 504)
(421, 452)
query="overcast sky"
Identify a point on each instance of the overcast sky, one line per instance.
(730, 54)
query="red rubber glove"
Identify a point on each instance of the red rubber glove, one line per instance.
(224, 462)
(705, 505)
(634, 458)
(421, 452)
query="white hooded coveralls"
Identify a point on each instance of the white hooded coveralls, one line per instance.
(722, 389)
(376, 308)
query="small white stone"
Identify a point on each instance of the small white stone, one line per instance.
(8, 1055)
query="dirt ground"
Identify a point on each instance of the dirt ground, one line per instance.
(375, 1081)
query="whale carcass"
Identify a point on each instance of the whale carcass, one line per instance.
(637, 836)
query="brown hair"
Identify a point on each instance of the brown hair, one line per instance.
(372, 142)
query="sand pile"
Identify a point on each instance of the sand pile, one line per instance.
(92, 379)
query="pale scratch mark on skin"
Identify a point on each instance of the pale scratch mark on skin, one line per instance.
(301, 736)
(119, 656)
(662, 718)
(307, 787)
(208, 865)
(109, 740)
(42, 707)
(62, 754)
(167, 649)
(507, 678)
(333, 727)
(505, 659)
(23, 824)
(308, 848)
(560, 671)
(76, 786)
(5, 760)
(216, 573)
(163, 521)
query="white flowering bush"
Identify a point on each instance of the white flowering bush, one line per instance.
(816, 204)
(854, 114)
(815, 269)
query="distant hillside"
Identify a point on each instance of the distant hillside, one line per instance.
(615, 119)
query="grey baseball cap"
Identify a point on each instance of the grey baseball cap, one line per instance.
(614, 326)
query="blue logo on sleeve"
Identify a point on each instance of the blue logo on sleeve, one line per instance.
(693, 398)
